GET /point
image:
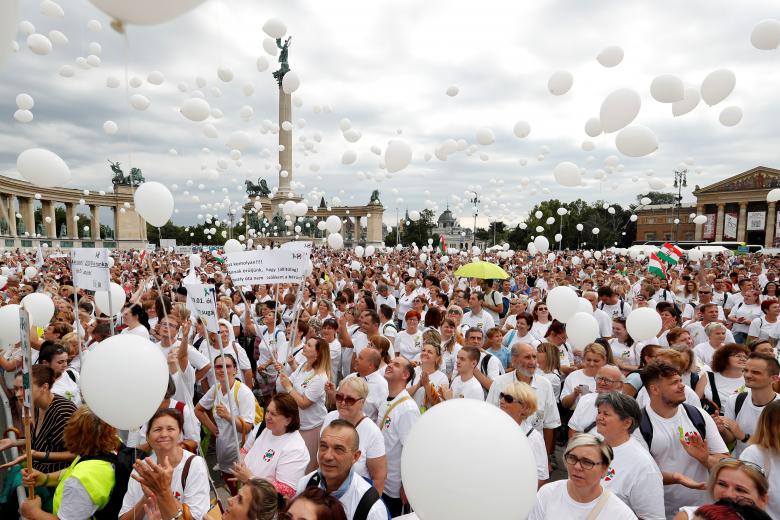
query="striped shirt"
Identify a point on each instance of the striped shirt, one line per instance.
(48, 435)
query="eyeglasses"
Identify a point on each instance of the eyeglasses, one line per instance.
(741, 357)
(605, 381)
(540, 309)
(573, 460)
(347, 400)
(705, 292)
(508, 399)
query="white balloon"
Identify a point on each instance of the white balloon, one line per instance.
(335, 241)
(730, 116)
(262, 64)
(110, 127)
(58, 38)
(636, 141)
(195, 109)
(522, 129)
(39, 44)
(41, 309)
(290, 82)
(643, 323)
(23, 116)
(154, 202)
(595, 231)
(233, 246)
(112, 82)
(359, 251)
(398, 155)
(582, 329)
(700, 219)
(656, 184)
(414, 215)
(717, 86)
(558, 237)
(139, 102)
(370, 251)
(541, 244)
(618, 109)
(550, 221)
(117, 300)
(52, 9)
(333, 224)
(275, 28)
(349, 157)
(438, 485)
(269, 46)
(145, 12)
(485, 136)
(155, 78)
(126, 398)
(560, 82)
(538, 214)
(42, 167)
(210, 131)
(610, 56)
(773, 195)
(9, 324)
(30, 272)
(593, 127)
(452, 91)
(689, 101)
(562, 303)
(66, 71)
(239, 140)
(567, 174)
(766, 35)
(667, 88)
(583, 305)
(24, 101)
(645, 201)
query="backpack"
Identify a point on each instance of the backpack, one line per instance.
(740, 403)
(259, 414)
(122, 462)
(483, 365)
(694, 414)
(505, 301)
(367, 501)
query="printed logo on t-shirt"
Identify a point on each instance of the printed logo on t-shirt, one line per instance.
(610, 474)
(686, 436)
(387, 423)
(269, 454)
(538, 419)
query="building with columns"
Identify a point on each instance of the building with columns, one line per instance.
(19, 226)
(736, 209)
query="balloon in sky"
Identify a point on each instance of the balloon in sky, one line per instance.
(560, 82)
(274, 28)
(145, 12)
(636, 141)
(42, 167)
(335, 241)
(195, 109)
(619, 109)
(233, 246)
(290, 82)
(154, 203)
(522, 129)
(689, 101)
(717, 86)
(593, 127)
(567, 174)
(485, 136)
(667, 88)
(398, 155)
(766, 35)
(700, 219)
(333, 224)
(611, 56)
(730, 116)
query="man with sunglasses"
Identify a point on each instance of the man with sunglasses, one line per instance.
(705, 297)
(609, 378)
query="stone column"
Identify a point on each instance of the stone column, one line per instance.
(358, 229)
(374, 228)
(699, 227)
(720, 222)
(94, 221)
(742, 223)
(70, 215)
(771, 221)
(285, 140)
(28, 215)
(10, 214)
(50, 228)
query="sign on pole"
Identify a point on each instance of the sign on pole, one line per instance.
(286, 265)
(89, 267)
(24, 334)
(202, 298)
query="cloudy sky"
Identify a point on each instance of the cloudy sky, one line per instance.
(386, 67)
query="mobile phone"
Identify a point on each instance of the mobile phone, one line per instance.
(584, 389)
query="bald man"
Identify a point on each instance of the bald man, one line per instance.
(367, 363)
(609, 378)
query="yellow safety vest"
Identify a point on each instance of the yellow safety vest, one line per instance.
(97, 477)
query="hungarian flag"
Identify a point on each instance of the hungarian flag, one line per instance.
(442, 246)
(670, 254)
(218, 257)
(656, 266)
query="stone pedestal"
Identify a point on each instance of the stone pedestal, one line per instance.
(49, 228)
(742, 223)
(128, 225)
(70, 218)
(285, 139)
(94, 222)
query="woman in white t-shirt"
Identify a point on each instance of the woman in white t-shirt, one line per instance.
(766, 326)
(518, 400)
(743, 314)
(307, 386)
(583, 381)
(633, 476)
(521, 333)
(542, 320)
(425, 386)
(408, 342)
(164, 435)
(449, 346)
(581, 496)
(277, 453)
(625, 350)
(737, 480)
(765, 452)
(548, 365)
(136, 321)
(728, 364)
(716, 336)
(372, 464)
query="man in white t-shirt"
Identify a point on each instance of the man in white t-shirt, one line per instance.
(547, 417)
(465, 385)
(489, 366)
(709, 314)
(609, 378)
(705, 297)
(734, 299)
(612, 304)
(478, 317)
(339, 450)
(397, 416)
(368, 362)
(602, 318)
(384, 297)
(743, 409)
(492, 301)
(675, 438)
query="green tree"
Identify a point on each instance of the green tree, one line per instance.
(418, 231)
(657, 197)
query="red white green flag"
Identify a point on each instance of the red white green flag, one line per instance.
(656, 266)
(670, 254)
(442, 246)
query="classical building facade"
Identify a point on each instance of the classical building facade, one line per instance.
(451, 231)
(736, 210)
(22, 226)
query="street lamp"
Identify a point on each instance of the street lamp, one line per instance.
(475, 202)
(680, 182)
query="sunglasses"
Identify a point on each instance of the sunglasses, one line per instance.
(749, 464)
(347, 400)
(540, 309)
(508, 399)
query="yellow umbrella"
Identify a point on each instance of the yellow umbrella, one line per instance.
(483, 270)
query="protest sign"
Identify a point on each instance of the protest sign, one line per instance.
(89, 267)
(267, 266)
(202, 298)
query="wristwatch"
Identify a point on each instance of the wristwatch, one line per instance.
(745, 438)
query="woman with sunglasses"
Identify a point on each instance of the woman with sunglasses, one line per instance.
(581, 496)
(372, 464)
(764, 450)
(542, 320)
(518, 400)
(276, 452)
(741, 481)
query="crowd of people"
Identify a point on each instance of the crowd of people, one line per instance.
(328, 377)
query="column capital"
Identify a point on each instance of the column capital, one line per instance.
(743, 205)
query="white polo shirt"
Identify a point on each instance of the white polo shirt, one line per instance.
(395, 422)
